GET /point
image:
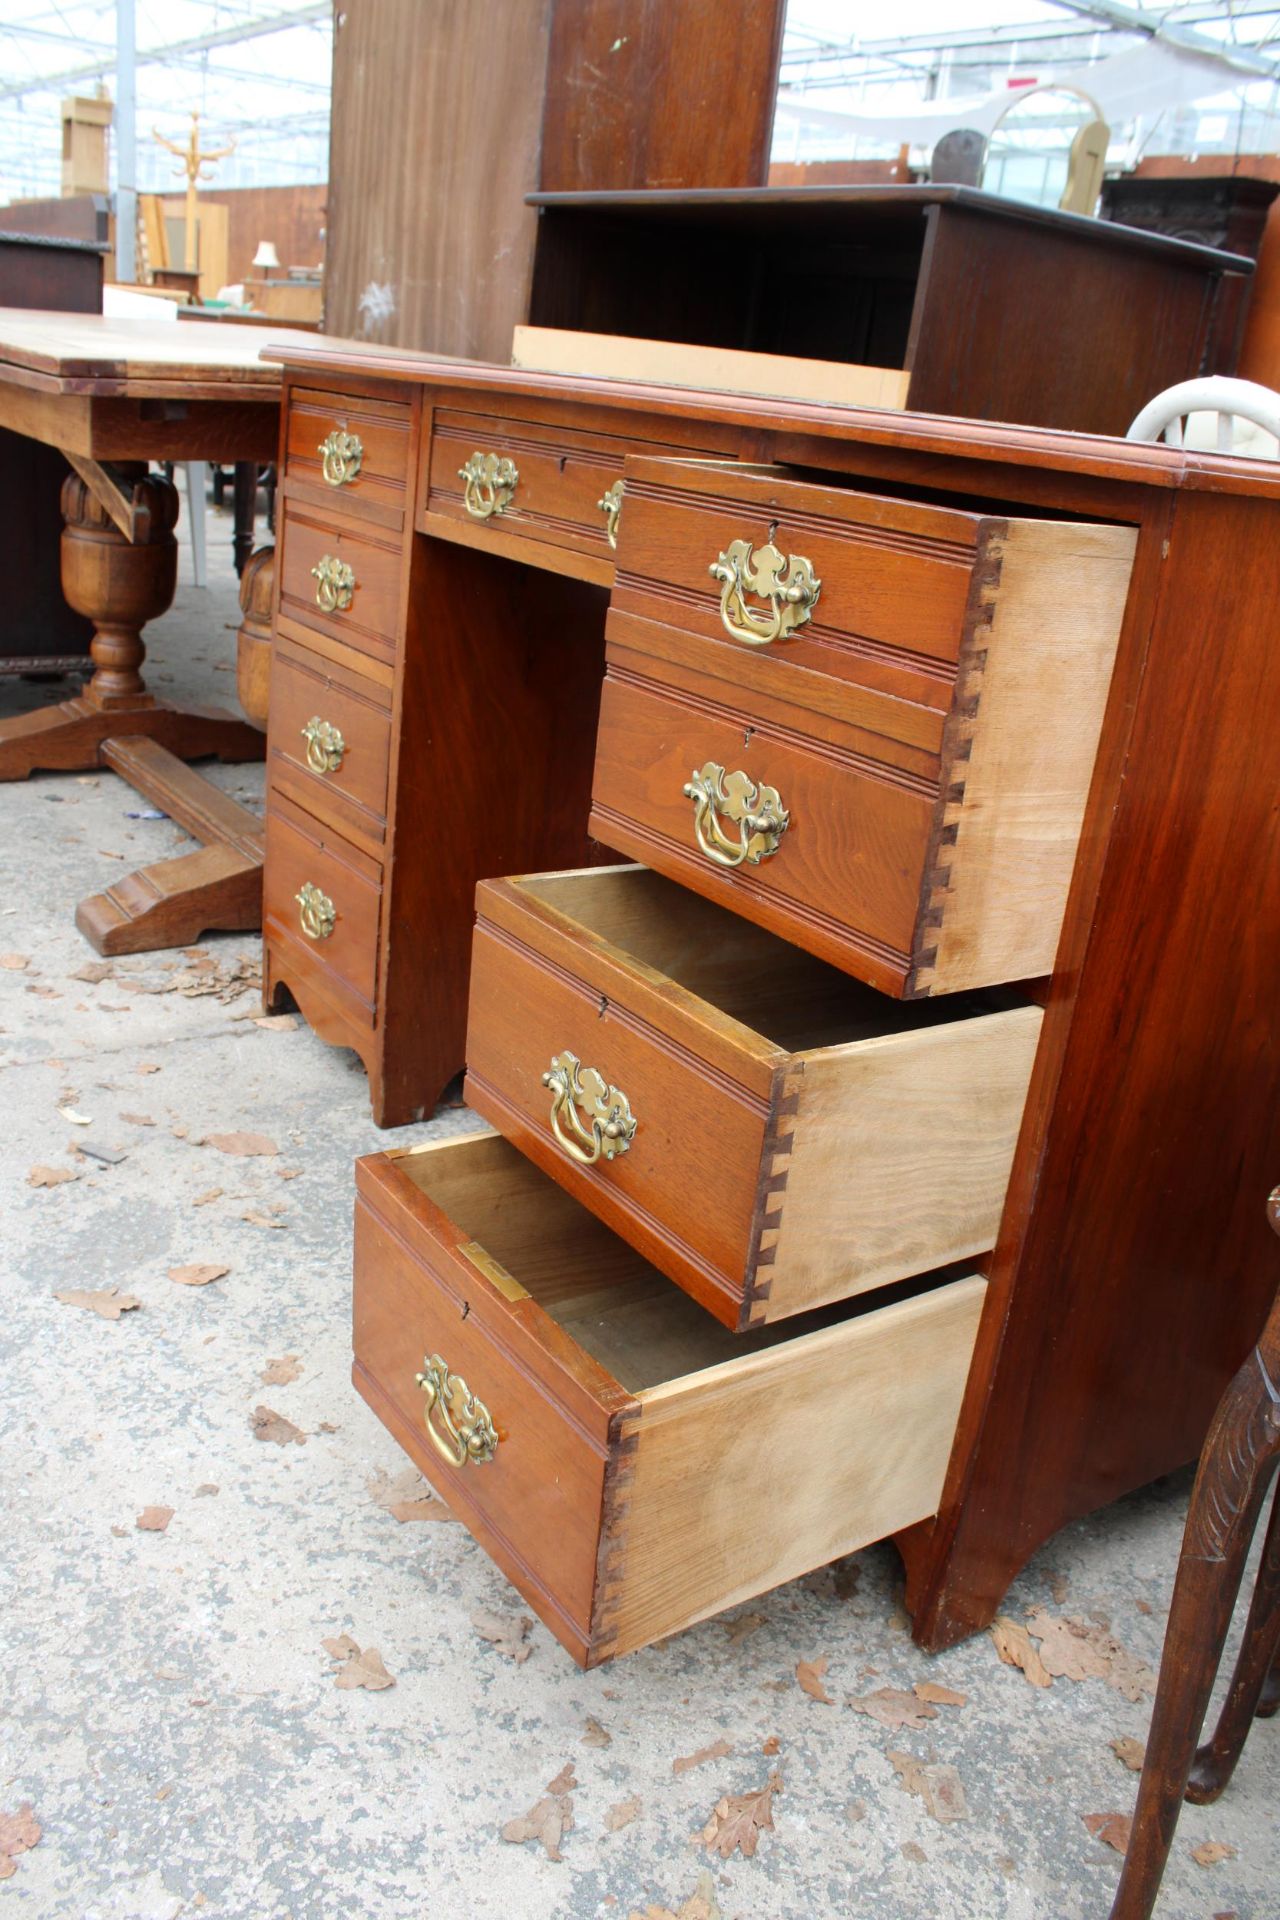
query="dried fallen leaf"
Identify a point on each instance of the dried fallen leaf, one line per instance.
(719, 1750)
(596, 1735)
(248, 1145)
(809, 1673)
(938, 1696)
(203, 1199)
(51, 1176)
(1130, 1751)
(273, 1426)
(93, 971)
(148, 1066)
(19, 1832)
(743, 1627)
(138, 1119)
(892, 1707)
(406, 1496)
(1075, 1649)
(1016, 1648)
(256, 1218)
(701, 1904)
(14, 962)
(198, 1274)
(740, 1818)
(109, 1302)
(1113, 1829)
(75, 1119)
(1210, 1852)
(355, 1668)
(548, 1819)
(940, 1787)
(917, 1855)
(277, 1022)
(506, 1631)
(153, 1519)
(279, 1373)
(623, 1813)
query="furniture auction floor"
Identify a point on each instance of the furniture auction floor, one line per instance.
(170, 1713)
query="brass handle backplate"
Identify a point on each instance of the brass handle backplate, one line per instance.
(458, 1425)
(756, 811)
(786, 581)
(489, 481)
(340, 457)
(335, 584)
(325, 746)
(610, 505)
(316, 911)
(611, 1127)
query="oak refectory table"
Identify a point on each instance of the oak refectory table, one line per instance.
(114, 396)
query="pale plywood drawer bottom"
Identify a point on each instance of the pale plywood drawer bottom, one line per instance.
(650, 1468)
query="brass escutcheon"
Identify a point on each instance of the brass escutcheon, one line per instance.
(786, 581)
(612, 1127)
(489, 481)
(610, 505)
(325, 746)
(316, 911)
(335, 584)
(466, 1431)
(340, 457)
(756, 811)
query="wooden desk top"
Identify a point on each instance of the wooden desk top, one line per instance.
(139, 358)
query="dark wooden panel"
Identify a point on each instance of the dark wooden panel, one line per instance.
(433, 145)
(660, 93)
(1047, 326)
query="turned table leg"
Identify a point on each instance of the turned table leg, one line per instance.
(1236, 1470)
(119, 581)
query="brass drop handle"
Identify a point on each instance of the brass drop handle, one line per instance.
(610, 505)
(610, 1127)
(756, 811)
(340, 457)
(325, 745)
(786, 581)
(335, 584)
(458, 1425)
(316, 911)
(489, 481)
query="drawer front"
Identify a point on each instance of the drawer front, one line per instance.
(339, 582)
(526, 1014)
(560, 478)
(330, 739)
(607, 1442)
(845, 879)
(314, 879)
(357, 450)
(874, 591)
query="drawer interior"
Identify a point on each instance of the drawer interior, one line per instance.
(629, 1317)
(795, 1000)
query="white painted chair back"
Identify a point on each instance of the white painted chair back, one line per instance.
(1214, 414)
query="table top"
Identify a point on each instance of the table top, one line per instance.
(137, 357)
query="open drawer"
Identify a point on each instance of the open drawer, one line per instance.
(769, 1132)
(629, 1465)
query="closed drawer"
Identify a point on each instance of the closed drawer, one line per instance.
(356, 449)
(782, 1136)
(542, 483)
(631, 1466)
(321, 902)
(329, 742)
(886, 715)
(339, 582)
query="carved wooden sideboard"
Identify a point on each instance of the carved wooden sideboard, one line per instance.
(990, 961)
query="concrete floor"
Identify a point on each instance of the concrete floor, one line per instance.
(168, 1709)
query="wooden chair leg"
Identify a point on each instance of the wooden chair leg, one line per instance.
(1215, 1762)
(1235, 1470)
